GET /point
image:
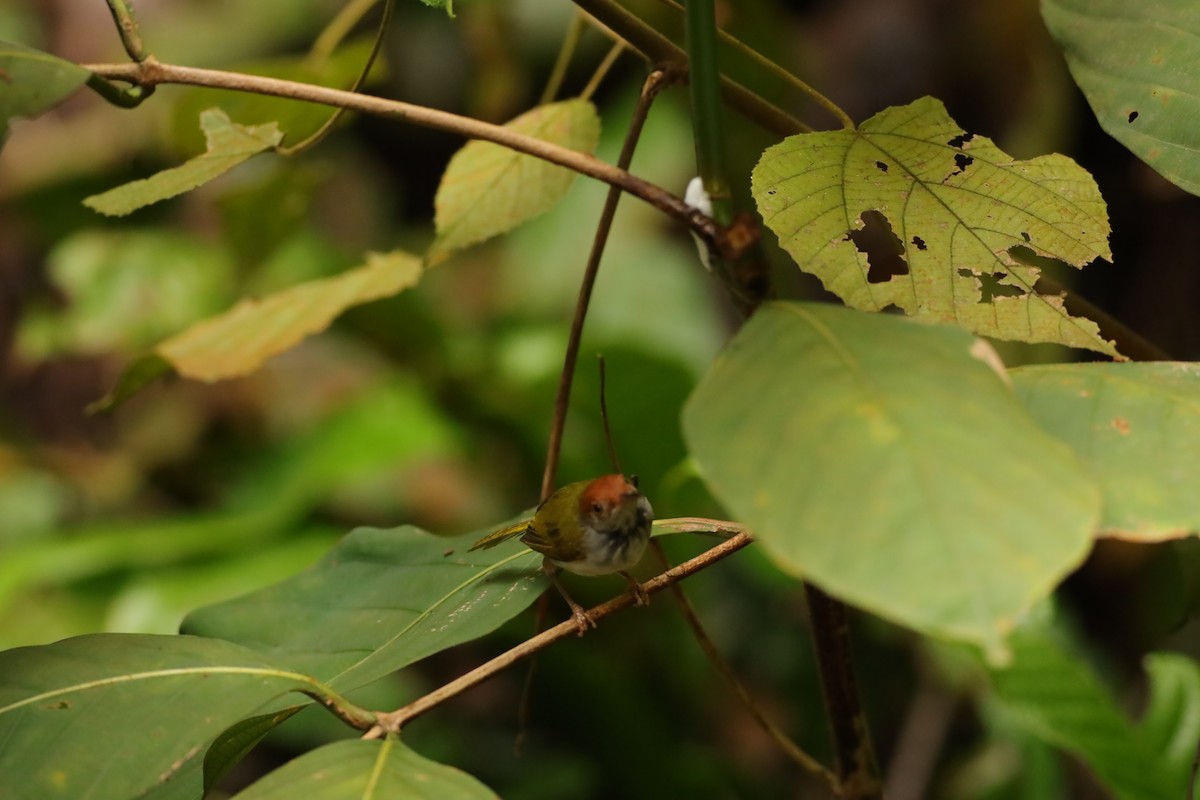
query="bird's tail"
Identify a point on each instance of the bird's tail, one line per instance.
(502, 535)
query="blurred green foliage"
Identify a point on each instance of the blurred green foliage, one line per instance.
(433, 408)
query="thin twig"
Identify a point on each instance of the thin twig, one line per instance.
(601, 72)
(392, 722)
(778, 71)
(338, 29)
(559, 72)
(662, 52)
(131, 37)
(562, 399)
(321, 132)
(152, 72)
(1129, 342)
(608, 436)
(785, 743)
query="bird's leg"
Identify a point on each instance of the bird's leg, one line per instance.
(582, 620)
(640, 596)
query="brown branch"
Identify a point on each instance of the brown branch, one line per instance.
(854, 756)
(151, 73)
(654, 82)
(392, 722)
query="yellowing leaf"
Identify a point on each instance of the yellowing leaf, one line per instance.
(488, 189)
(236, 342)
(947, 211)
(240, 340)
(228, 143)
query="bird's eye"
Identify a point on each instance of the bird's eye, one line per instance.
(597, 508)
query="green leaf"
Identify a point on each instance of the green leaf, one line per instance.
(1052, 693)
(488, 190)
(954, 209)
(228, 144)
(240, 340)
(1135, 63)
(1137, 429)
(32, 82)
(355, 769)
(112, 715)
(1171, 724)
(380, 600)
(883, 460)
(238, 740)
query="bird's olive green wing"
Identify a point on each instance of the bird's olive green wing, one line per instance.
(504, 534)
(552, 543)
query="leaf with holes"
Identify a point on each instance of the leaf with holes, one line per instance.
(228, 144)
(116, 715)
(952, 213)
(887, 462)
(380, 600)
(1137, 428)
(1136, 64)
(365, 769)
(488, 189)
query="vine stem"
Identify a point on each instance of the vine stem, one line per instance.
(393, 721)
(784, 742)
(854, 756)
(778, 71)
(662, 52)
(127, 27)
(152, 72)
(857, 775)
(562, 400)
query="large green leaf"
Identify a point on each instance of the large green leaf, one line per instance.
(1137, 428)
(1136, 64)
(238, 341)
(488, 189)
(881, 459)
(112, 716)
(356, 769)
(227, 145)
(32, 81)
(378, 601)
(956, 213)
(1052, 693)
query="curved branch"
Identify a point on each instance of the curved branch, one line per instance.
(151, 72)
(392, 722)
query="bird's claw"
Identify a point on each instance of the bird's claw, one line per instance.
(582, 620)
(640, 596)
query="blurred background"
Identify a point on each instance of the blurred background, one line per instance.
(433, 408)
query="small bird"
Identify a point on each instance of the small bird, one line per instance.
(593, 527)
